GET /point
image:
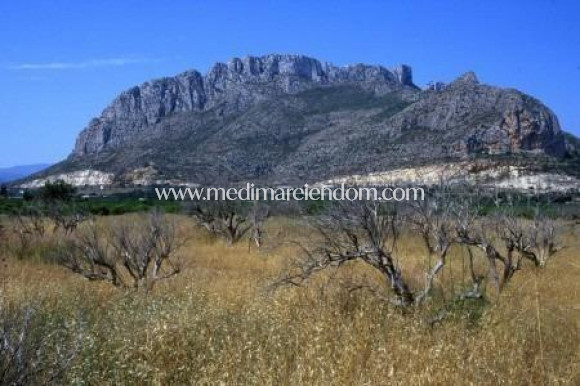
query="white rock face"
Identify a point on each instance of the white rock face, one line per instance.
(138, 177)
(147, 176)
(543, 182)
(148, 182)
(503, 177)
(77, 178)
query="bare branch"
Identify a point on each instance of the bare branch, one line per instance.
(128, 255)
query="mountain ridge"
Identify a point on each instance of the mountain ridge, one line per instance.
(288, 118)
(15, 172)
(191, 91)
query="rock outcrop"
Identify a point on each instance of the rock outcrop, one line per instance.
(235, 85)
(491, 119)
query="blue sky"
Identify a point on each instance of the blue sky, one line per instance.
(62, 61)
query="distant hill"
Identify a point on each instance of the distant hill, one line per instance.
(20, 171)
(289, 118)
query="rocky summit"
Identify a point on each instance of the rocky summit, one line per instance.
(290, 118)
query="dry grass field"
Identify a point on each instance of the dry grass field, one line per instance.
(216, 322)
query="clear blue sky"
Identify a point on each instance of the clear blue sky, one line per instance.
(62, 61)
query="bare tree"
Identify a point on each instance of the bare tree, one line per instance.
(534, 240)
(359, 230)
(89, 253)
(223, 218)
(473, 231)
(66, 217)
(258, 214)
(30, 220)
(368, 231)
(146, 253)
(136, 255)
(29, 225)
(433, 219)
(475, 292)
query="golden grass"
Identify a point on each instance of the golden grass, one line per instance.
(214, 323)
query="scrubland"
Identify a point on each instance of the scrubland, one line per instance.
(220, 322)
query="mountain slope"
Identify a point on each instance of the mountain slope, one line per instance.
(288, 118)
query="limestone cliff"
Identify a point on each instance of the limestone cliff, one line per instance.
(289, 118)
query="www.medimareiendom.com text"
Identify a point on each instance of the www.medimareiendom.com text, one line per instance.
(304, 193)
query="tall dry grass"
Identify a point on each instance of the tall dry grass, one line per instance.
(216, 324)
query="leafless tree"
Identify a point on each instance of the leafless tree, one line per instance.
(136, 255)
(226, 219)
(535, 240)
(433, 219)
(29, 225)
(30, 220)
(65, 217)
(473, 231)
(89, 253)
(507, 238)
(359, 230)
(368, 231)
(258, 214)
(475, 292)
(146, 253)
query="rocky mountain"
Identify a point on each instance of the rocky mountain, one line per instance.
(290, 118)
